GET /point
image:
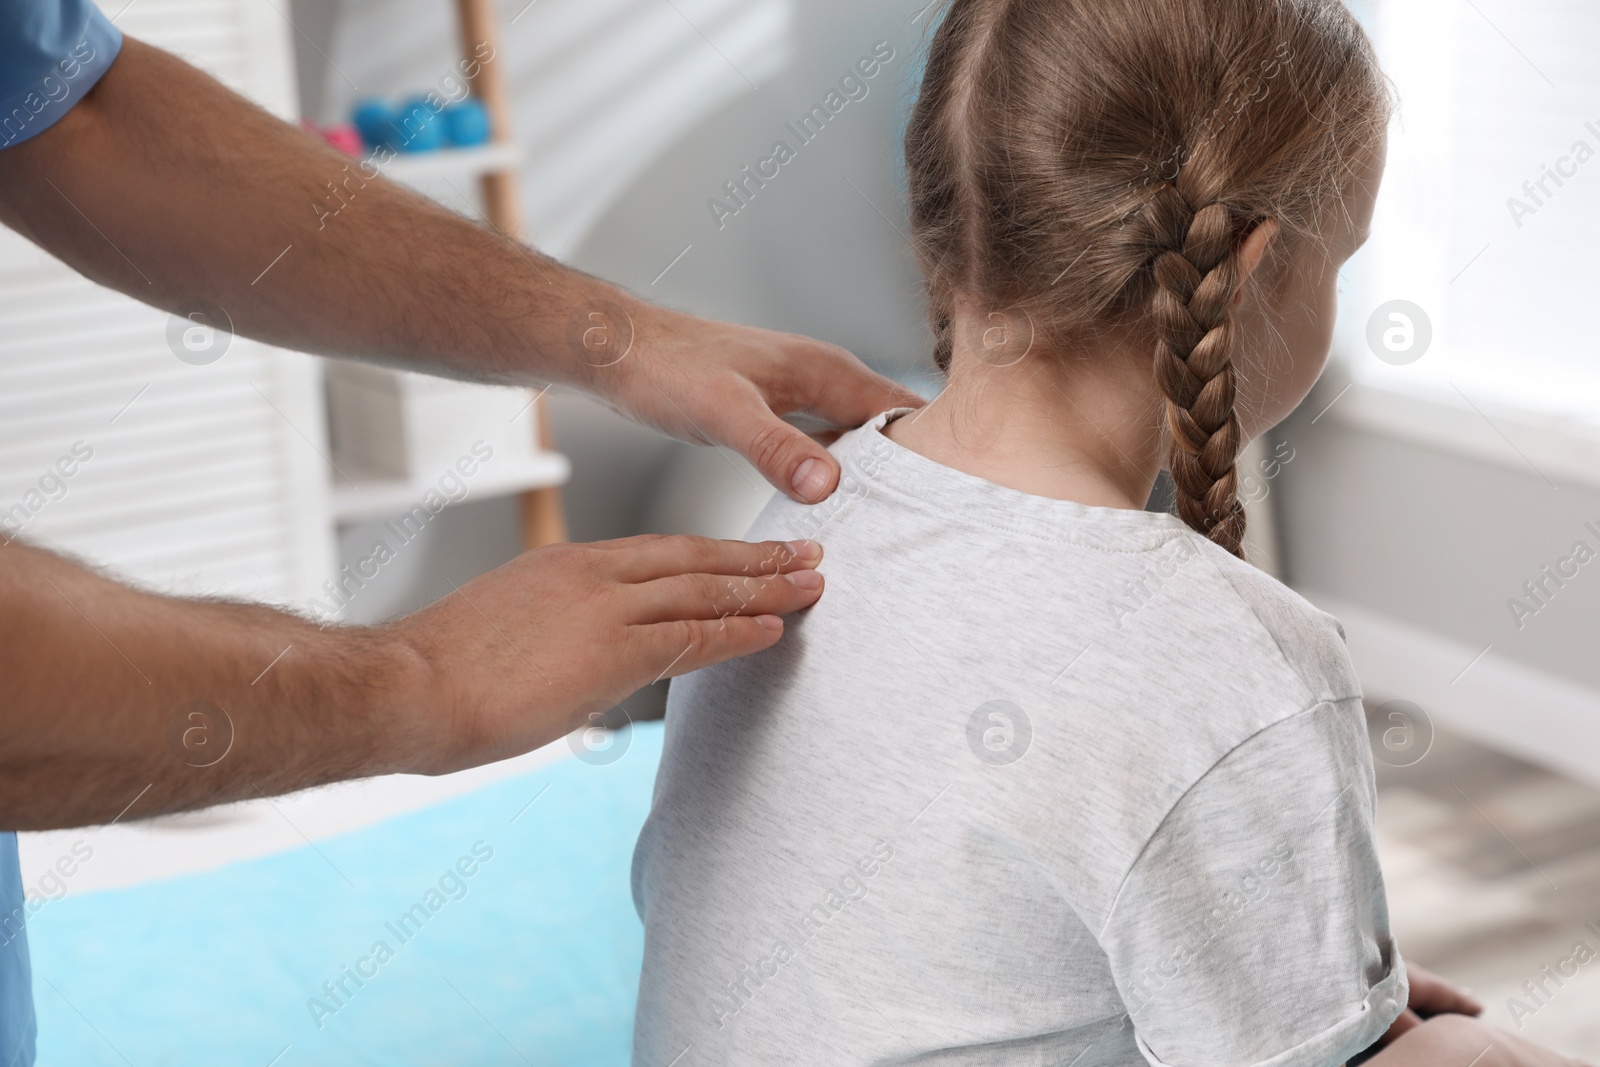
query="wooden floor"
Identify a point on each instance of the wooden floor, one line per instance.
(1493, 870)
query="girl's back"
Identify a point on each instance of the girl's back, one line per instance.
(1032, 779)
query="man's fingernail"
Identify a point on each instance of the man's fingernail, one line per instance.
(806, 550)
(807, 580)
(770, 622)
(811, 480)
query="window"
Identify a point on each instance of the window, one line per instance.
(1489, 221)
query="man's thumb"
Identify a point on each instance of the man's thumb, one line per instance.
(790, 460)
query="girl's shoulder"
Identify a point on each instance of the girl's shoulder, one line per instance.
(1311, 641)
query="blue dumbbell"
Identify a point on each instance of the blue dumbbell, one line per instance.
(374, 120)
(467, 123)
(418, 127)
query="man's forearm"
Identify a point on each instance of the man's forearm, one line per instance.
(165, 185)
(114, 694)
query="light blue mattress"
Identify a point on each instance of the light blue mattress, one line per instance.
(537, 963)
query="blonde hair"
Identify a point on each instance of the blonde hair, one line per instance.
(1097, 164)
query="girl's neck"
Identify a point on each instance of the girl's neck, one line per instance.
(1081, 427)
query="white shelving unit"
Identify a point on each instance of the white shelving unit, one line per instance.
(453, 163)
(386, 407)
(373, 497)
(408, 425)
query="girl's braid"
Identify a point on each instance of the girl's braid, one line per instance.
(1196, 274)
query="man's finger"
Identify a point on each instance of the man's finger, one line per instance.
(1447, 998)
(842, 390)
(627, 542)
(1432, 995)
(688, 645)
(714, 596)
(668, 556)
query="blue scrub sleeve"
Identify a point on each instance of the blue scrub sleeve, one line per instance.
(17, 1026)
(52, 52)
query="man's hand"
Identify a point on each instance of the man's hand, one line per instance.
(1430, 996)
(721, 384)
(523, 655)
(102, 680)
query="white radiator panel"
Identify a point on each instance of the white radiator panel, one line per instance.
(197, 479)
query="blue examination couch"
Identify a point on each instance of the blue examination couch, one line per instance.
(532, 958)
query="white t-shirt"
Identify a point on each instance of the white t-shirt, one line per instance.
(1034, 783)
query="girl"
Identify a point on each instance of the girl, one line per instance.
(1047, 778)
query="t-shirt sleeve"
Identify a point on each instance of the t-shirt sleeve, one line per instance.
(1253, 929)
(52, 52)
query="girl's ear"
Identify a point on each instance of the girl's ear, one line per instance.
(1252, 251)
